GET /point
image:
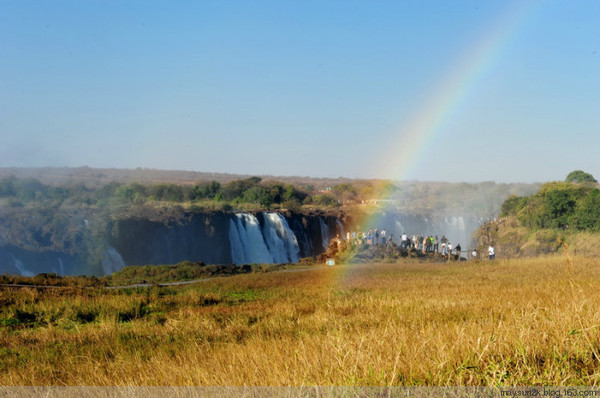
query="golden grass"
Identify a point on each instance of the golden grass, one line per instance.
(518, 322)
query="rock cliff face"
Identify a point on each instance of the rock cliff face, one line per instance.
(209, 238)
(212, 238)
(98, 244)
(29, 262)
(199, 237)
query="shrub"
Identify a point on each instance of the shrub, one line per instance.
(587, 214)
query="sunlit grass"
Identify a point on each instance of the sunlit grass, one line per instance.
(515, 322)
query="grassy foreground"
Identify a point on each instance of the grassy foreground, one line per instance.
(518, 322)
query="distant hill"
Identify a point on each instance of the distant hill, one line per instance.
(95, 177)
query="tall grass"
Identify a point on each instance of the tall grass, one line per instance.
(518, 322)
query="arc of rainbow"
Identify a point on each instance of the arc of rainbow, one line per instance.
(438, 110)
(428, 123)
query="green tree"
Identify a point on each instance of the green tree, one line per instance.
(325, 200)
(107, 191)
(276, 191)
(206, 191)
(512, 205)
(167, 192)
(293, 194)
(560, 205)
(133, 192)
(258, 195)
(344, 192)
(580, 176)
(235, 189)
(587, 214)
(30, 189)
(7, 186)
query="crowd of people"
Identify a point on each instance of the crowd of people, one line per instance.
(424, 244)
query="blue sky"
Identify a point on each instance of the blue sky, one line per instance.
(309, 88)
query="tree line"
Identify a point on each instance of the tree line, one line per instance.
(16, 192)
(573, 204)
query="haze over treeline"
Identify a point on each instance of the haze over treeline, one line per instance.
(96, 177)
(482, 199)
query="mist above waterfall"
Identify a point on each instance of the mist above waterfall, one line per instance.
(457, 228)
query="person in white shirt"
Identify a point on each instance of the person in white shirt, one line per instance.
(491, 252)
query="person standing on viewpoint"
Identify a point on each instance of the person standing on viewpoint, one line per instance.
(491, 252)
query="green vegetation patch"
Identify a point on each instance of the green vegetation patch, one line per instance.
(185, 271)
(559, 213)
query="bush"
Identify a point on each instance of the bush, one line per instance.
(325, 200)
(560, 205)
(512, 205)
(587, 214)
(205, 191)
(258, 195)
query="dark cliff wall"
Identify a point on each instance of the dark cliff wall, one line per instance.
(18, 261)
(96, 244)
(309, 232)
(197, 237)
(203, 237)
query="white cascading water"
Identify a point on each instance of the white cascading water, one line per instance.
(237, 247)
(324, 233)
(19, 266)
(61, 267)
(169, 250)
(341, 228)
(112, 261)
(461, 223)
(280, 239)
(274, 243)
(399, 228)
(248, 246)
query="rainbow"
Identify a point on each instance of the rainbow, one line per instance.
(415, 136)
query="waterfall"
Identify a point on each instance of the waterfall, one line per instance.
(273, 243)
(19, 266)
(340, 228)
(461, 223)
(112, 261)
(169, 250)
(280, 239)
(237, 247)
(61, 267)
(399, 228)
(248, 244)
(324, 233)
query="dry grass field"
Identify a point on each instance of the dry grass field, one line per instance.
(504, 323)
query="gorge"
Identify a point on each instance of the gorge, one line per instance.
(208, 237)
